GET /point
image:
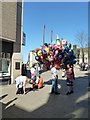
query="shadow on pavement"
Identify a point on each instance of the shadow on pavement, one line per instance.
(49, 82)
(3, 96)
(11, 101)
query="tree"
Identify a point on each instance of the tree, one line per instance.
(82, 39)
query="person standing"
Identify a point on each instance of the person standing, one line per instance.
(69, 80)
(54, 88)
(33, 75)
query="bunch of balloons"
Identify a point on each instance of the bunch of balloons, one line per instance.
(57, 54)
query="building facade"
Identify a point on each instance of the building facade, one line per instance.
(31, 58)
(86, 55)
(10, 40)
(79, 55)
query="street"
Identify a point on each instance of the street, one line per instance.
(42, 104)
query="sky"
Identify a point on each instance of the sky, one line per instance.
(63, 18)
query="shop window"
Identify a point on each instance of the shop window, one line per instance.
(17, 65)
(3, 55)
(4, 65)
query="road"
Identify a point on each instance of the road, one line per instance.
(42, 104)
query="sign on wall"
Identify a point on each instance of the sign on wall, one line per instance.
(24, 39)
(17, 65)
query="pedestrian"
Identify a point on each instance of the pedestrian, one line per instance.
(33, 75)
(69, 80)
(54, 73)
(40, 82)
(21, 82)
(24, 70)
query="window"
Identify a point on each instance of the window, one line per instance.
(5, 65)
(17, 65)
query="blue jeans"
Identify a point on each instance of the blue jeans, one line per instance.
(54, 86)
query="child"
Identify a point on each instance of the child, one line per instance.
(40, 82)
(70, 77)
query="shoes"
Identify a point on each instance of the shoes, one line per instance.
(51, 92)
(71, 91)
(56, 93)
(68, 93)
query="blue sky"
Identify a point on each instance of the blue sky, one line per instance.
(63, 18)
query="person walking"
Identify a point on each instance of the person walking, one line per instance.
(54, 88)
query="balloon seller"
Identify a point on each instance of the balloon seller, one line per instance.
(59, 54)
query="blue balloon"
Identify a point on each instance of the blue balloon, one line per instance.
(37, 58)
(74, 56)
(74, 61)
(59, 57)
(66, 49)
(44, 52)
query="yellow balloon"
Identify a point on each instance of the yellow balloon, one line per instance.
(48, 56)
(47, 50)
(39, 53)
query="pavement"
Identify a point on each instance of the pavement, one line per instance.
(41, 104)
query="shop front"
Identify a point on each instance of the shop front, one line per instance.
(5, 63)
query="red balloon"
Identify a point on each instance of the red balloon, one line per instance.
(41, 57)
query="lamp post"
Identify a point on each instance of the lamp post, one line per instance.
(43, 35)
(51, 36)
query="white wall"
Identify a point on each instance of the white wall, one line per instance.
(16, 57)
(32, 58)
